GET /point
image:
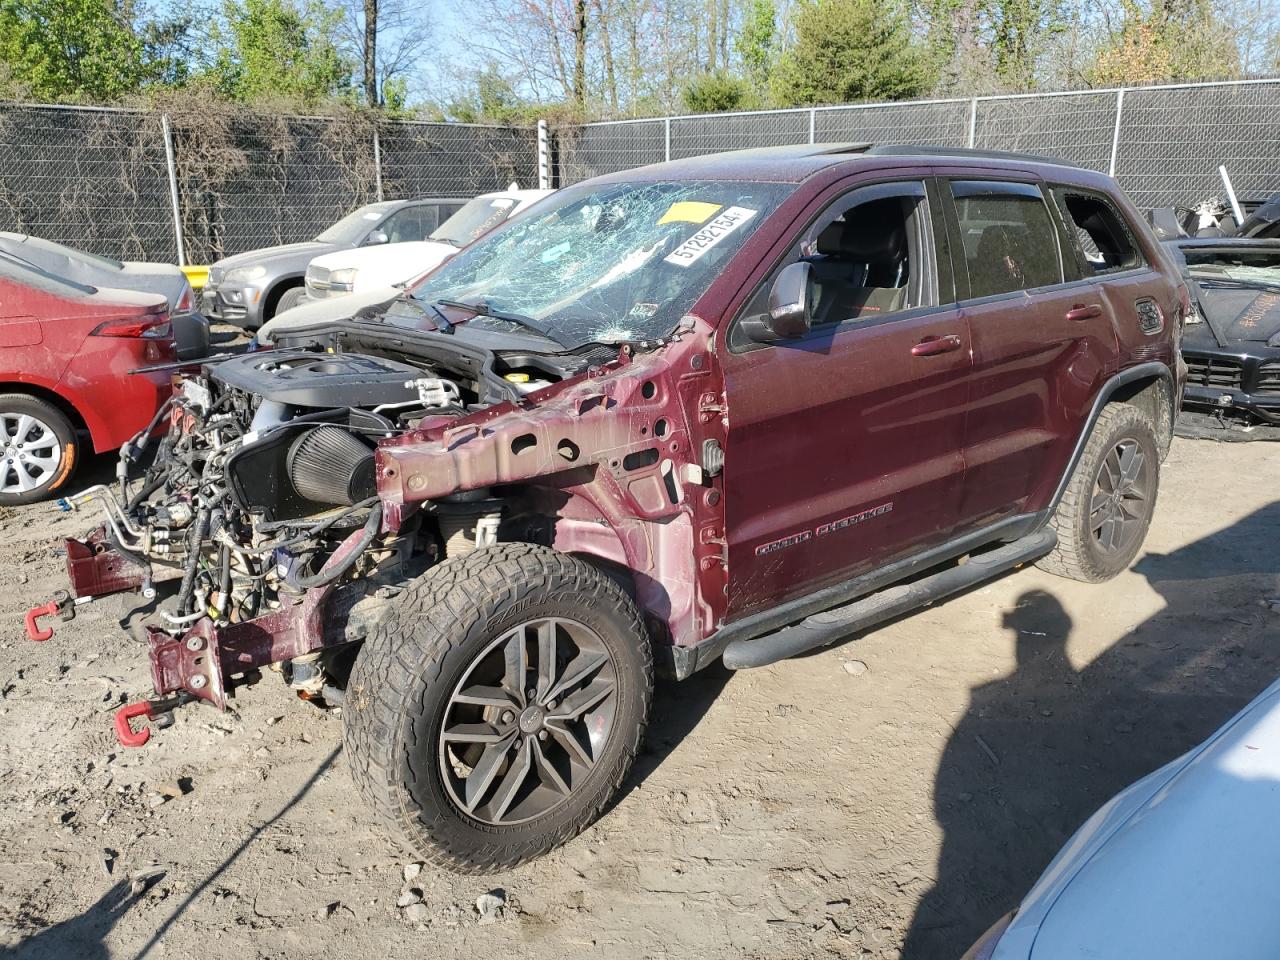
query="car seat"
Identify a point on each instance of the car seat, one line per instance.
(862, 268)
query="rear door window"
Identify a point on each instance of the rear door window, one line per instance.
(1008, 238)
(1105, 243)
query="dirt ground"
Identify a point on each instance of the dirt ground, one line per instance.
(887, 797)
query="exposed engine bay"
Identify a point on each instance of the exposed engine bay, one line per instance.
(260, 499)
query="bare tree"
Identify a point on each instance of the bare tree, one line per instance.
(389, 39)
(371, 52)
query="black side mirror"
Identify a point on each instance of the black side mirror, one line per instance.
(375, 238)
(790, 307)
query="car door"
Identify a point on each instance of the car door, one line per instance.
(844, 445)
(1041, 343)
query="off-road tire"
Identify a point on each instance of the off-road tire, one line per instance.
(400, 688)
(56, 421)
(1078, 555)
(288, 300)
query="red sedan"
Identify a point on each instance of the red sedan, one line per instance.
(66, 355)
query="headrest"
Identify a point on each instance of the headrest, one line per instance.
(872, 234)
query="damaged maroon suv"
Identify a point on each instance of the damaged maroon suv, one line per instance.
(735, 407)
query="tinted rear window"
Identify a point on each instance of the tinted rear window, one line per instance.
(1008, 236)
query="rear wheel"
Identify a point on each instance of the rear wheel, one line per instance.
(1107, 508)
(495, 712)
(38, 449)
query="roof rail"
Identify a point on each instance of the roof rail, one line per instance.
(912, 150)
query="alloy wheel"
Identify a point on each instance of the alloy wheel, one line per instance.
(1121, 497)
(527, 721)
(29, 453)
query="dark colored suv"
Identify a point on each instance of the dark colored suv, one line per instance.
(736, 406)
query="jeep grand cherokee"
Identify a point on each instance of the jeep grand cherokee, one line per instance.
(735, 406)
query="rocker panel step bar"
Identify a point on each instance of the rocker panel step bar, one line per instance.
(843, 621)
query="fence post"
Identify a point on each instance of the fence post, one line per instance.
(544, 157)
(666, 135)
(173, 187)
(973, 122)
(1115, 135)
(813, 125)
(377, 164)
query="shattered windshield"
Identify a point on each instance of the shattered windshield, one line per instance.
(1249, 267)
(475, 218)
(609, 263)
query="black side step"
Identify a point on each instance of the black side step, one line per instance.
(831, 625)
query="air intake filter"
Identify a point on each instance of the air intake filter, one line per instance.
(331, 465)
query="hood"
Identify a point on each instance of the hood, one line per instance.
(1178, 865)
(407, 255)
(286, 254)
(1241, 315)
(315, 312)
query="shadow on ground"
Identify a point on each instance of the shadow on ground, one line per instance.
(1040, 749)
(84, 937)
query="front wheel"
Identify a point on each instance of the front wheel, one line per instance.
(498, 708)
(38, 449)
(1109, 501)
(289, 299)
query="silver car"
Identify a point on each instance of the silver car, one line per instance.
(250, 288)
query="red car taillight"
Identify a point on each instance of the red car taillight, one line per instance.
(185, 300)
(154, 327)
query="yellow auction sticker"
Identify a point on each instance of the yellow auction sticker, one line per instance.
(689, 211)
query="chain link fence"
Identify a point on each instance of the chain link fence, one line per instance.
(135, 184)
(198, 187)
(1163, 143)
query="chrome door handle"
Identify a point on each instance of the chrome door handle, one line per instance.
(932, 346)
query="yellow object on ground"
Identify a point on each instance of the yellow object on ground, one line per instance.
(196, 276)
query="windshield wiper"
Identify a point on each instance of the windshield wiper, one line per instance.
(443, 323)
(484, 310)
(1234, 283)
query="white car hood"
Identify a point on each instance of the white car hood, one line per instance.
(318, 312)
(387, 264)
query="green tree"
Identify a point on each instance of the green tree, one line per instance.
(755, 42)
(274, 48)
(1022, 29)
(63, 50)
(1167, 40)
(714, 92)
(848, 50)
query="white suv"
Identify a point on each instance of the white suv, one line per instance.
(371, 268)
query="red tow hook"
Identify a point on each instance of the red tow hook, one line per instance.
(35, 631)
(127, 736)
(159, 712)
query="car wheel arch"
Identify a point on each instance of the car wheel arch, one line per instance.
(273, 293)
(1123, 386)
(59, 400)
(1154, 396)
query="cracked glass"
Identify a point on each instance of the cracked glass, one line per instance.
(607, 263)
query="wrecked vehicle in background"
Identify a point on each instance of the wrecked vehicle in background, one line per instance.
(726, 407)
(1231, 342)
